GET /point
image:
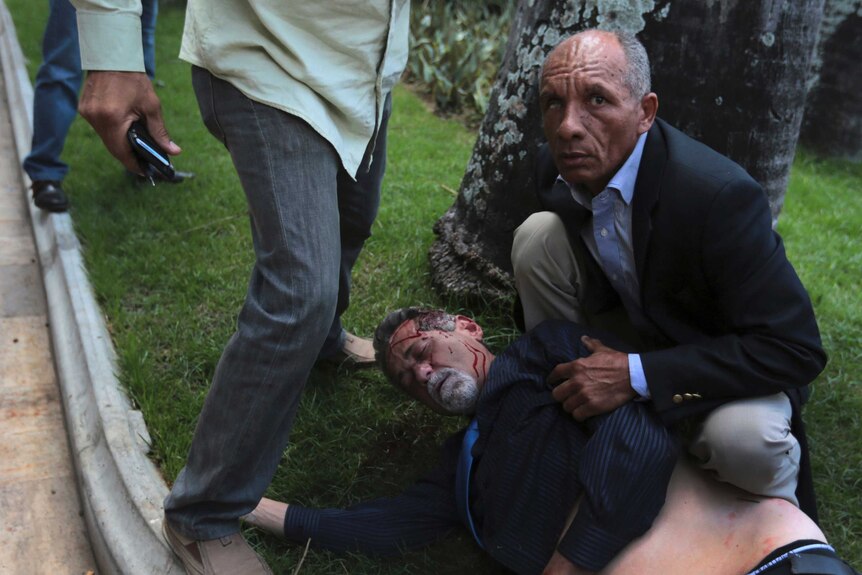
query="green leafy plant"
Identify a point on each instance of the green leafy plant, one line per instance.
(456, 49)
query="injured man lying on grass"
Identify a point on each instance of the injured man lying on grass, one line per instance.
(541, 492)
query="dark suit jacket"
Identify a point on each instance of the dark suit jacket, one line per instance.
(728, 317)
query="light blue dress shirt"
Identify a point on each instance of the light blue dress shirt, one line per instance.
(608, 238)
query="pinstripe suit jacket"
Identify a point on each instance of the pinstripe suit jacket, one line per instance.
(531, 464)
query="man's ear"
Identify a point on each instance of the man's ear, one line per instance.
(466, 324)
(649, 109)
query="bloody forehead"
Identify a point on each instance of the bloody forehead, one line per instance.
(403, 333)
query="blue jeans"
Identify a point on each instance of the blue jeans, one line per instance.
(290, 175)
(55, 98)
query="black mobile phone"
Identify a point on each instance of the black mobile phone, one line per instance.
(151, 156)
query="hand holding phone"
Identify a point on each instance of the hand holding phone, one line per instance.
(152, 158)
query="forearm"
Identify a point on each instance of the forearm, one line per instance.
(383, 527)
(420, 515)
(758, 334)
(731, 367)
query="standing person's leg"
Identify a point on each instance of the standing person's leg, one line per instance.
(289, 173)
(55, 104)
(358, 202)
(149, 11)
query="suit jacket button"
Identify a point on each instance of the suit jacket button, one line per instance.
(677, 398)
(687, 395)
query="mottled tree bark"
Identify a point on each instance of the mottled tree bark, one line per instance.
(471, 255)
(731, 73)
(832, 124)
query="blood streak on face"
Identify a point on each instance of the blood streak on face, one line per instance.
(427, 364)
(409, 337)
(478, 356)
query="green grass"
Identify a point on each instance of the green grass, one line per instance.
(169, 265)
(822, 227)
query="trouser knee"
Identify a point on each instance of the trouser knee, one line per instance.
(748, 443)
(547, 274)
(539, 237)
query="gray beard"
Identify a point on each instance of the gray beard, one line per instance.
(458, 392)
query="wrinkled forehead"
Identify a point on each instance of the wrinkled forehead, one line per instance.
(593, 53)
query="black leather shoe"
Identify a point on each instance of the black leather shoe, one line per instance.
(48, 195)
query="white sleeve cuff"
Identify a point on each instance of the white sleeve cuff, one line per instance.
(111, 41)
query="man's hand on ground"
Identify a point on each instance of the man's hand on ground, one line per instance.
(111, 101)
(595, 384)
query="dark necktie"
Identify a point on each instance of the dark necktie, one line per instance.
(462, 478)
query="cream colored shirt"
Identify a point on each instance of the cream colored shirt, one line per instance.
(329, 62)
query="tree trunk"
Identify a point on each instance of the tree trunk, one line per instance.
(733, 75)
(832, 124)
(725, 71)
(471, 255)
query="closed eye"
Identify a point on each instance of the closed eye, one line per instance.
(421, 352)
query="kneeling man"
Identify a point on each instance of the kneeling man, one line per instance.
(656, 238)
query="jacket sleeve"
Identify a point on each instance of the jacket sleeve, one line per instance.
(767, 339)
(387, 526)
(625, 469)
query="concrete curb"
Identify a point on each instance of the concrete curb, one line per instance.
(120, 488)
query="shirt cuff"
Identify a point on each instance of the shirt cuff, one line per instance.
(637, 376)
(111, 41)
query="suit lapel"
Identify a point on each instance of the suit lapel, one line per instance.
(559, 199)
(647, 190)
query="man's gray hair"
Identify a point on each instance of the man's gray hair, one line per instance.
(637, 77)
(426, 320)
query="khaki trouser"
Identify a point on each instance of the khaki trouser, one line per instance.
(746, 442)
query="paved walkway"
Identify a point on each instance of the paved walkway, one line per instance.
(41, 525)
(79, 493)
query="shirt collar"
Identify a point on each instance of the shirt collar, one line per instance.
(624, 180)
